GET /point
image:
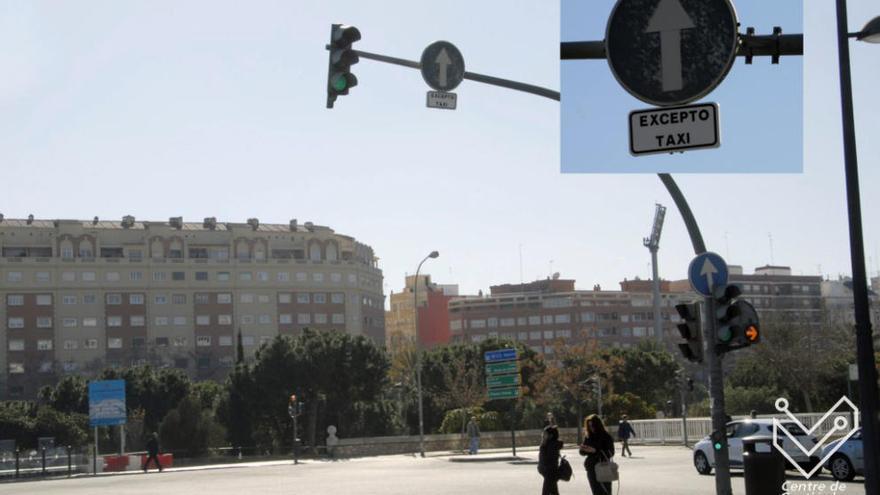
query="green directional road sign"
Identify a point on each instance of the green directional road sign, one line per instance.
(502, 380)
(504, 393)
(502, 368)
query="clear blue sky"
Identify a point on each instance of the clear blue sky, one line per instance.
(160, 109)
(760, 105)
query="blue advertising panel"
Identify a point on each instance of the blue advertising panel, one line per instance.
(107, 402)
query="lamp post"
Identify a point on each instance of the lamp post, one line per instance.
(433, 254)
(864, 341)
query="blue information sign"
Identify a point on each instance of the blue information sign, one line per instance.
(707, 271)
(107, 402)
(500, 355)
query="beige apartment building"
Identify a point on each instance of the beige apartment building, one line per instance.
(79, 296)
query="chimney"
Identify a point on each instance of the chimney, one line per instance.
(254, 223)
(310, 226)
(293, 224)
(176, 222)
(30, 219)
(95, 221)
(127, 221)
(210, 223)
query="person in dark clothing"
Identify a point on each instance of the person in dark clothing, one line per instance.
(624, 432)
(598, 446)
(548, 460)
(153, 452)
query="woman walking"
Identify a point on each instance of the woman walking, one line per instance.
(598, 446)
(548, 460)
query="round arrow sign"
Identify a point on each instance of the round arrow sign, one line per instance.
(707, 271)
(671, 52)
(442, 66)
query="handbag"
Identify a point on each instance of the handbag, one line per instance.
(606, 471)
(565, 472)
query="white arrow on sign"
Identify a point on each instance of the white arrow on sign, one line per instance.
(708, 271)
(669, 20)
(443, 61)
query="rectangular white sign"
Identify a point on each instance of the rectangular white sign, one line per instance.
(670, 129)
(442, 99)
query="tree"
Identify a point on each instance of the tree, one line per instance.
(189, 428)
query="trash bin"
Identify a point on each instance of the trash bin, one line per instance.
(764, 466)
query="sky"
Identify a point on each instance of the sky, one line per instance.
(213, 109)
(761, 117)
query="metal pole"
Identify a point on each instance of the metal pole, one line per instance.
(419, 357)
(95, 457)
(599, 392)
(864, 339)
(43, 457)
(17, 461)
(754, 45)
(684, 415)
(658, 319)
(69, 466)
(295, 456)
(122, 439)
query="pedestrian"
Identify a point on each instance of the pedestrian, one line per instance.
(548, 460)
(753, 414)
(598, 447)
(153, 451)
(549, 420)
(624, 432)
(473, 431)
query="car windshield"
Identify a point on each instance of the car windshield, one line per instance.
(794, 429)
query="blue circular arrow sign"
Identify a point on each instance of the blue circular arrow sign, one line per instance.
(707, 271)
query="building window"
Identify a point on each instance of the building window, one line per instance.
(15, 300)
(303, 318)
(70, 345)
(159, 276)
(247, 340)
(69, 322)
(245, 276)
(562, 318)
(90, 322)
(336, 278)
(225, 340)
(263, 276)
(265, 319)
(337, 298)
(320, 318)
(160, 299)
(136, 321)
(179, 320)
(68, 276)
(477, 324)
(285, 319)
(319, 298)
(114, 299)
(111, 276)
(135, 299)
(224, 298)
(178, 298)
(247, 298)
(547, 319)
(178, 341)
(247, 319)
(223, 276)
(135, 276)
(67, 252)
(338, 319)
(114, 321)
(161, 321)
(283, 277)
(15, 323)
(178, 276)
(534, 320)
(203, 340)
(68, 299)
(16, 344)
(114, 343)
(90, 299)
(202, 276)
(43, 277)
(302, 298)
(224, 319)
(455, 324)
(16, 368)
(138, 342)
(44, 322)
(318, 277)
(284, 298)
(161, 341)
(302, 276)
(548, 334)
(88, 276)
(202, 298)
(203, 320)
(492, 322)
(508, 322)
(263, 298)
(90, 344)
(13, 276)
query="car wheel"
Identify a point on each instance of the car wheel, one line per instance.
(841, 468)
(702, 463)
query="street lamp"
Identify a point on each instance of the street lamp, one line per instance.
(864, 340)
(433, 254)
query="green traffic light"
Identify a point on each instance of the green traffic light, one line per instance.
(340, 82)
(717, 445)
(725, 335)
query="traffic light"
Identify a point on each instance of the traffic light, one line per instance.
(737, 324)
(718, 438)
(691, 331)
(342, 57)
(292, 406)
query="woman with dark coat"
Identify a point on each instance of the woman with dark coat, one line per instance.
(548, 460)
(598, 446)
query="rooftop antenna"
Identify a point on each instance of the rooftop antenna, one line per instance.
(653, 245)
(770, 237)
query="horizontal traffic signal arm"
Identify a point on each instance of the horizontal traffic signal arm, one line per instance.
(750, 46)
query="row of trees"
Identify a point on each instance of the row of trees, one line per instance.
(351, 383)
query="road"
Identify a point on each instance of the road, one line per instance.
(654, 471)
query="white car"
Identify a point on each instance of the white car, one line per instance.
(849, 460)
(704, 453)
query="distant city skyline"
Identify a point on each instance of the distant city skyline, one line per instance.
(211, 109)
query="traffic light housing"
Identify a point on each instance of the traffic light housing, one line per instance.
(718, 437)
(736, 321)
(292, 406)
(342, 57)
(690, 329)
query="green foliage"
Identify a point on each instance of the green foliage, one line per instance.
(743, 400)
(616, 405)
(67, 428)
(455, 420)
(189, 429)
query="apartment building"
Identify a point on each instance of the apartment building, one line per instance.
(433, 311)
(79, 296)
(539, 313)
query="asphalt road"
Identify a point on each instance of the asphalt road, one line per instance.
(654, 471)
